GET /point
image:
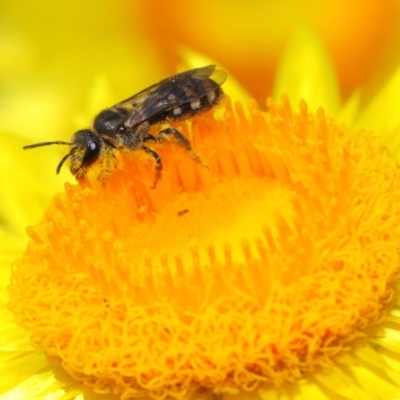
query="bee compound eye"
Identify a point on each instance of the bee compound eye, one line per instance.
(92, 146)
(92, 153)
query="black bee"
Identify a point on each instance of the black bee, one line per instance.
(126, 125)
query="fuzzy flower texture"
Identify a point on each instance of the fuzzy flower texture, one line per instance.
(273, 261)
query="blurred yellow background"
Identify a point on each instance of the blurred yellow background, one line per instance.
(52, 52)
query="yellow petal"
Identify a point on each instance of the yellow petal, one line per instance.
(18, 367)
(349, 112)
(382, 114)
(306, 72)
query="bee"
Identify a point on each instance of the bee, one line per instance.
(126, 125)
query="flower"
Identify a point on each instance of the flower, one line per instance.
(106, 274)
(216, 281)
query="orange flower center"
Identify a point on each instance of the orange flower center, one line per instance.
(258, 265)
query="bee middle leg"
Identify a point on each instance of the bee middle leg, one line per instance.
(159, 166)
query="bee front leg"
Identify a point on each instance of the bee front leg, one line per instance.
(107, 164)
(158, 167)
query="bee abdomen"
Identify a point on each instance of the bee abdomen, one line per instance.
(191, 108)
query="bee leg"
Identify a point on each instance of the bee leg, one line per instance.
(150, 138)
(106, 164)
(81, 173)
(158, 167)
(162, 135)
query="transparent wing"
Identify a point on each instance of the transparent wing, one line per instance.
(172, 92)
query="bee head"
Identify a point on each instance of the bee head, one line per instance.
(85, 148)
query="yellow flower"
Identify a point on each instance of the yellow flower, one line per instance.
(218, 279)
(269, 271)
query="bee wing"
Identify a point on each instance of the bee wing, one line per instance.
(171, 92)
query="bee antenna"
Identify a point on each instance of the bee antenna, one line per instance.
(60, 164)
(31, 146)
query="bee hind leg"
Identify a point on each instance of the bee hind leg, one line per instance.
(164, 133)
